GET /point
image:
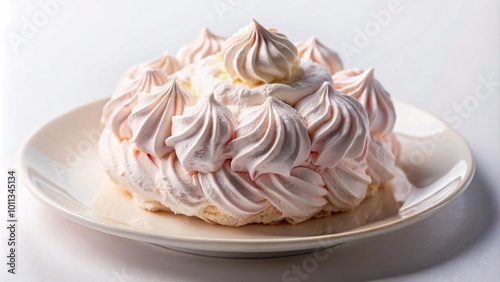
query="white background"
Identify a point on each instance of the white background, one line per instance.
(431, 54)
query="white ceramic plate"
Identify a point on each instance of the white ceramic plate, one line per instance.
(60, 166)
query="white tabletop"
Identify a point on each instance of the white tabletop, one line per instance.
(436, 55)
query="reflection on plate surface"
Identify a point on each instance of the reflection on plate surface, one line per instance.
(60, 166)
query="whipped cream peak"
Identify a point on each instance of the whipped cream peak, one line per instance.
(206, 44)
(337, 125)
(376, 100)
(201, 134)
(151, 119)
(315, 51)
(256, 55)
(270, 138)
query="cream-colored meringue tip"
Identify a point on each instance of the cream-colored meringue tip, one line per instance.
(353, 72)
(269, 100)
(326, 87)
(151, 72)
(174, 80)
(206, 32)
(326, 84)
(256, 24)
(369, 72)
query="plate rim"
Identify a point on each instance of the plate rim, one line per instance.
(249, 245)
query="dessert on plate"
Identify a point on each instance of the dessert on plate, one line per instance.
(251, 129)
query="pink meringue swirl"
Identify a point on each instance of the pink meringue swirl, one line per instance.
(181, 193)
(294, 195)
(347, 184)
(151, 119)
(167, 63)
(313, 50)
(381, 162)
(201, 134)
(234, 192)
(270, 138)
(337, 125)
(206, 44)
(256, 55)
(377, 102)
(119, 107)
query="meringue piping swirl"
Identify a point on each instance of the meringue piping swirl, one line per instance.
(234, 192)
(182, 193)
(200, 135)
(270, 138)
(347, 184)
(313, 50)
(167, 63)
(381, 162)
(151, 118)
(256, 55)
(337, 125)
(119, 107)
(206, 44)
(377, 102)
(293, 196)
